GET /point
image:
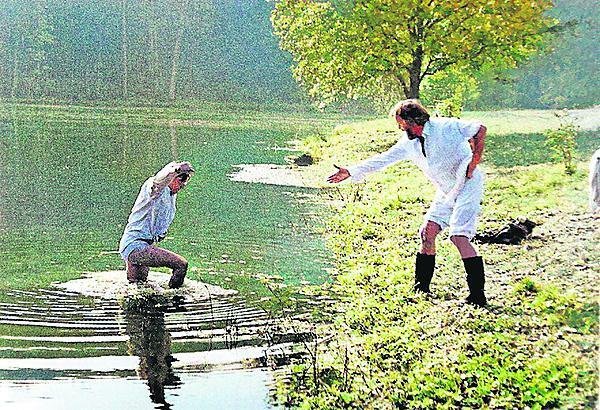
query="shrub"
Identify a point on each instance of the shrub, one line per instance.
(562, 142)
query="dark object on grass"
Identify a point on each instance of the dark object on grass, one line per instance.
(511, 234)
(304, 160)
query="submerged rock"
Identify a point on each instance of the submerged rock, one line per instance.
(114, 285)
(304, 160)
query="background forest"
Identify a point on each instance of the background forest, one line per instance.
(156, 51)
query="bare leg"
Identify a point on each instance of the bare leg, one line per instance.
(425, 263)
(464, 246)
(428, 234)
(157, 257)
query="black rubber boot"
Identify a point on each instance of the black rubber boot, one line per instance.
(179, 271)
(424, 271)
(176, 281)
(475, 280)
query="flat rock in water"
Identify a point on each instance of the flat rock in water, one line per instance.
(271, 174)
(113, 284)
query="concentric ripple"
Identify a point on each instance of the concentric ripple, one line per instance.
(56, 323)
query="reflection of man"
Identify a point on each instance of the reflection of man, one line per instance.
(150, 217)
(150, 340)
(448, 151)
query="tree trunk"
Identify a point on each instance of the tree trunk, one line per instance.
(414, 70)
(15, 76)
(153, 57)
(414, 74)
(177, 50)
(175, 63)
(124, 48)
(39, 77)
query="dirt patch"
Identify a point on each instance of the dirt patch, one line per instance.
(563, 251)
(586, 119)
(113, 284)
(510, 234)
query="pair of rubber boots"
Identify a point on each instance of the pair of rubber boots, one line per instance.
(475, 276)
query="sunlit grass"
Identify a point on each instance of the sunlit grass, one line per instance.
(534, 344)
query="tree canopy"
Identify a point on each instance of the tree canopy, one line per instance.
(384, 49)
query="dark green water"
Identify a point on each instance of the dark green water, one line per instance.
(68, 179)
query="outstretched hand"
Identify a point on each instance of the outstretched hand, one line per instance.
(339, 176)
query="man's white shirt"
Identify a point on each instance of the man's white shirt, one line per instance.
(152, 213)
(447, 149)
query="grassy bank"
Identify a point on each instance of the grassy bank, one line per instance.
(534, 346)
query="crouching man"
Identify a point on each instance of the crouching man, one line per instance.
(150, 218)
(448, 151)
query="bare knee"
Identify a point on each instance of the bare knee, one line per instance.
(428, 234)
(458, 240)
(464, 246)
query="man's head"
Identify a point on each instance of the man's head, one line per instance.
(411, 117)
(179, 182)
(184, 173)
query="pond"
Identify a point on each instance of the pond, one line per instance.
(68, 179)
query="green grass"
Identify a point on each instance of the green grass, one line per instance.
(532, 347)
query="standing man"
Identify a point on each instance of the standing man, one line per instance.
(447, 150)
(594, 178)
(150, 218)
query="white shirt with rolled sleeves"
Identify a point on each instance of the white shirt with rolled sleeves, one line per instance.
(448, 154)
(152, 213)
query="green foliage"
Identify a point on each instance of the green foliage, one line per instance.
(383, 49)
(87, 51)
(313, 145)
(562, 143)
(534, 347)
(448, 91)
(563, 76)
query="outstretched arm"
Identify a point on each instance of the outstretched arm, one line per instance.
(477, 144)
(377, 162)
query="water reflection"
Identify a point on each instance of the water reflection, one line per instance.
(151, 342)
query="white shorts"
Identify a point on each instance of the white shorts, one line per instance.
(461, 216)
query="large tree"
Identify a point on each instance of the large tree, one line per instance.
(384, 49)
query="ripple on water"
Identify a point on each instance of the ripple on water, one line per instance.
(60, 324)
